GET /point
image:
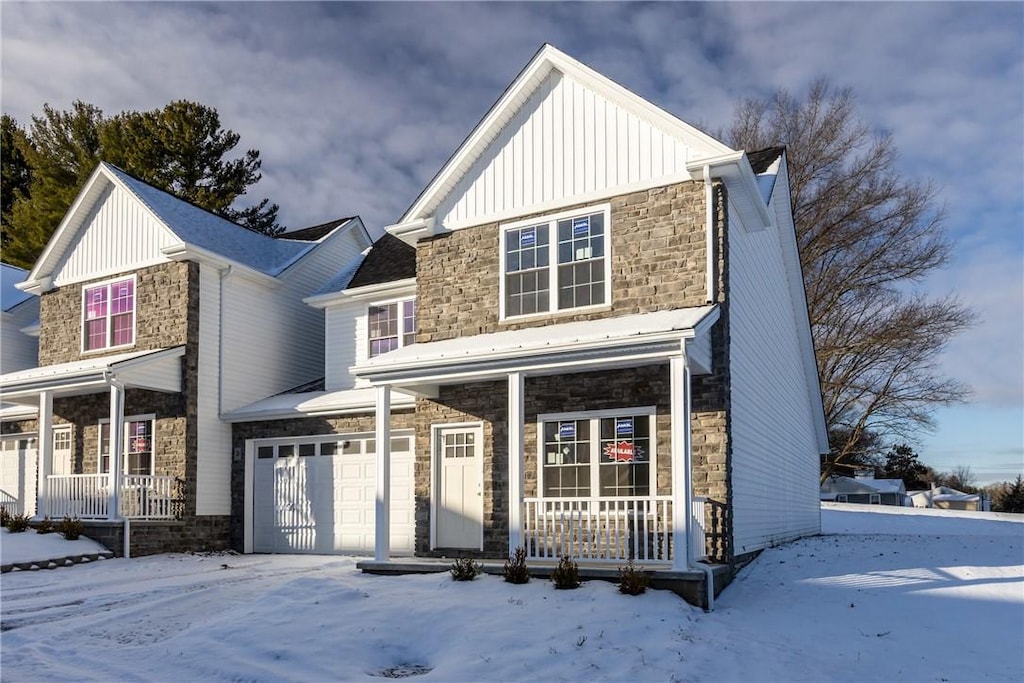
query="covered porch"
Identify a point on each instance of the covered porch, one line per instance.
(113, 492)
(581, 482)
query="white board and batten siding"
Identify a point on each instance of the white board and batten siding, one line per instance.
(95, 254)
(566, 144)
(774, 442)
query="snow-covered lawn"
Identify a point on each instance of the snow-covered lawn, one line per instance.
(885, 595)
(28, 546)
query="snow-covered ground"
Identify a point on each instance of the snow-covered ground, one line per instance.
(28, 546)
(885, 595)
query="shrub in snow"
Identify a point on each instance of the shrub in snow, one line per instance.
(45, 526)
(70, 528)
(567, 574)
(4, 516)
(632, 580)
(465, 569)
(515, 570)
(17, 523)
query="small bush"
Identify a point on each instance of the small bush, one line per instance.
(18, 523)
(45, 526)
(465, 569)
(566, 575)
(633, 581)
(70, 528)
(515, 570)
(5, 516)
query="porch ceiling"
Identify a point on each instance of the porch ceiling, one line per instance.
(156, 370)
(608, 343)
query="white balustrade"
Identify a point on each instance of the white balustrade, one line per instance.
(85, 496)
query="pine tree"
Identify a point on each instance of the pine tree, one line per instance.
(180, 148)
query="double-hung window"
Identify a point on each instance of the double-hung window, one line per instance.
(391, 326)
(607, 454)
(556, 264)
(108, 314)
(138, 446)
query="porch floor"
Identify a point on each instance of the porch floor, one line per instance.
(689, 585)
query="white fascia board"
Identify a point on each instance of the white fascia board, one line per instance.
(395, 288)
(182, 251)
(734, 168)
(316, 404)
(412, 231)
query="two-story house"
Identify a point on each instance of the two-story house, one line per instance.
(155, 317)
(603, 351)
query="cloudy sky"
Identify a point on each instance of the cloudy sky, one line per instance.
(354, 107)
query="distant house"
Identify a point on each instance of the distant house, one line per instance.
(866, 490)
(946, 498)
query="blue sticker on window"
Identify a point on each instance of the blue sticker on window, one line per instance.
(567, 430)
(528, 237)
(624, 427)
(581, 226)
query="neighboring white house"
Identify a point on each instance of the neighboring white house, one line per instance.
(19, 322)
(947, 498)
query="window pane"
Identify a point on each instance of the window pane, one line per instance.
(95, 302)
(123, 331)
(264, 451)
(625, 455)
(285, 451)
(122, 297)
(351, 447)
(307, 449)
(329, 448)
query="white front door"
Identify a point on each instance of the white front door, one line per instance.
(460, 500)
(61, 450)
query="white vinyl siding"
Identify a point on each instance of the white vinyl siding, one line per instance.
(564, 142)
(345, 328)
(213, 456)
(18, 351)
(774, 446)
(95, 254)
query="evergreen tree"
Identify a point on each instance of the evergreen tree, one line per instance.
(15, 171)
(180, 148)
(901, 463)
(1012, 499)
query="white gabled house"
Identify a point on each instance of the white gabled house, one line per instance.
(157, 316)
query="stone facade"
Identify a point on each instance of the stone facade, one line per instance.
(658, 263)
(307, 426)
(166, 315)
(164, 297)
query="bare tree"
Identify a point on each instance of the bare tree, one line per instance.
(961, 478)
(866, 235)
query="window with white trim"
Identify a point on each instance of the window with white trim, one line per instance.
(108, 315)
(608, 454)
(138, 446)
(556, 264)
(391, 326)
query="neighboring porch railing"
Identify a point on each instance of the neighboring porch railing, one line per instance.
(599, 529)
(86, 496)
(608, 529)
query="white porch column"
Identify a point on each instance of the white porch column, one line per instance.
(44, 452)
(382, 520)
(515, 460)
(682, 469)
(116, 450)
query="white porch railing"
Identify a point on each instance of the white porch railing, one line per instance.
(147, 497)
(599, 529)
(77, 495)
(86, 496)
(698, 529)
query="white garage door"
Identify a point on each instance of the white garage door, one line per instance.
(316, 494)
(18, 475)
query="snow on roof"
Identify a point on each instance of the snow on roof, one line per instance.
(840, 484)
(301, 404)
(534, 340)
(214, 233)
(11, 296)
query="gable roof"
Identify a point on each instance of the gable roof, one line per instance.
(195, 228)
(761, 160)
(546, 60)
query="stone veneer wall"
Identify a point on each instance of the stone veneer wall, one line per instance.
(166, 315)
(658, 263)
(306, 426)
(164, 299)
